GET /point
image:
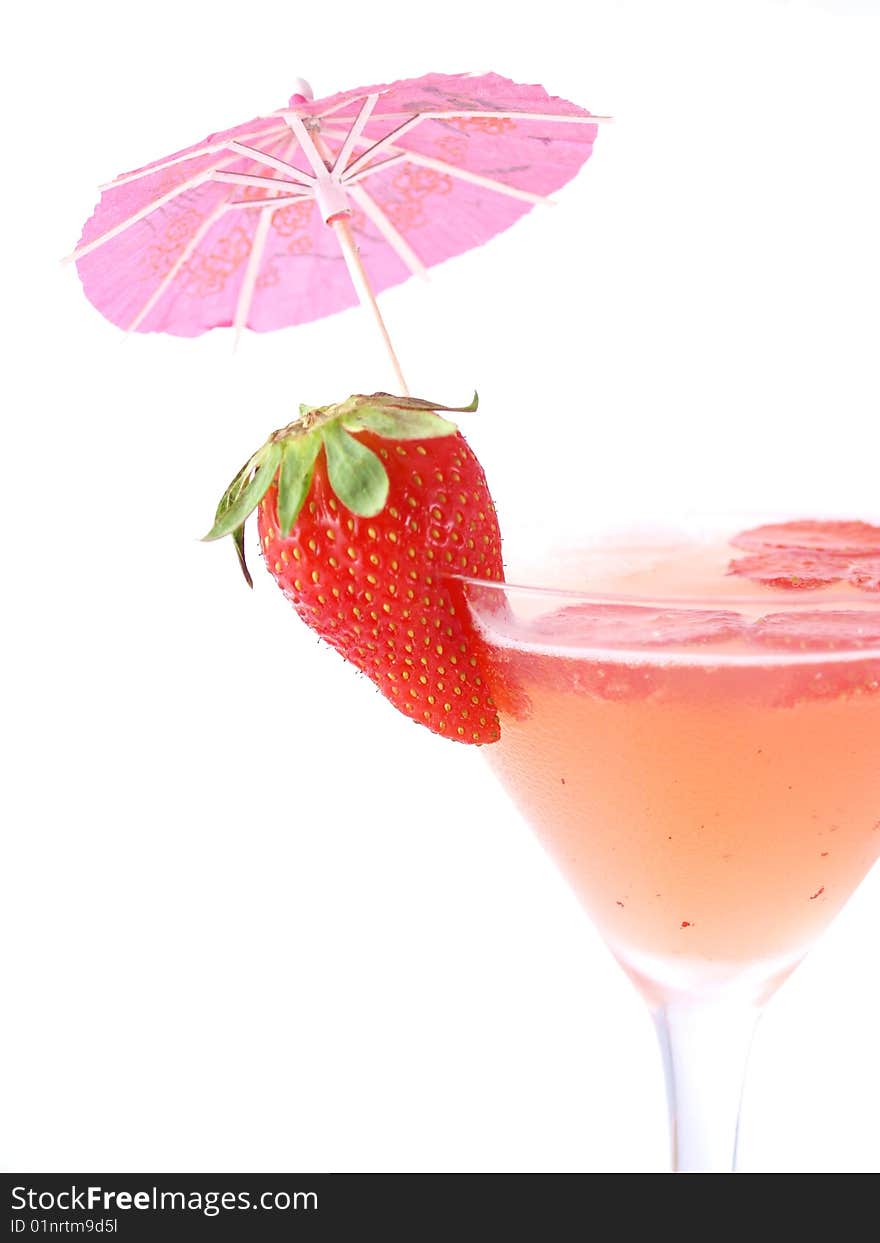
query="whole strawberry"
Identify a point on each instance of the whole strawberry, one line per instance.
(368, 513)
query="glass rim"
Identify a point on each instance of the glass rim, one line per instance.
(690, 525)
(811, 599)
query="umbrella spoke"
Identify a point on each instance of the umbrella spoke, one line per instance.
(428, 161)
(254, 179)
(298, 196)
(272, 161)
(258, 246)
(329, 191)
(342, 103)
(462, 114)
(307, 144)
(518, 116)
(399, 244)
(249, 281)
(476, 179)
(384, 144)
(198, 180)
(172, 272)
(208, 149)
(354, 133)
(205, 175)
(278, 201)
(383, 165)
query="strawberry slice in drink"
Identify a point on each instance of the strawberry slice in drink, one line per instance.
(820, 630)
(794, 569)
(626, 627)
(636, 626)
(847, 539)
(811, 632)
(807, 555)
(865, 574)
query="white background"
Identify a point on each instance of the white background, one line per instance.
(251, 918)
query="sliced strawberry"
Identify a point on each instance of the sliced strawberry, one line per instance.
(852, 539)
(865, 574)
(811, 632)
(819, 630)
(513, 671)
(635, 625)
(794, 569)
(514, 674)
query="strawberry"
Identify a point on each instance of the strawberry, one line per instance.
(577, 628)
(852, 539)
(367, 510)
(866, 574)
(635, 626)
(823, 630)
(792, 568)
(810, 554)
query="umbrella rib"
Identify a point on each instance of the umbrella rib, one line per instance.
(354, 133)
(208, 149)
(307, 144)
(176, 266)
(383, 144)
(249, 281)
(207, 174)
(342, 103)
(272, 161)
(254, 179)
(86, 249)
(477, 179)
(586, 119)
(261, 233)
(519, 116)
(279, 201)
(349, 181)
(428, 161)
(394, 239)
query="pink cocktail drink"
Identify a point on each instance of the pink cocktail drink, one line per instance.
(699, 754)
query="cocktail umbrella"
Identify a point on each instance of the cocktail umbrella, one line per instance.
(296, 215)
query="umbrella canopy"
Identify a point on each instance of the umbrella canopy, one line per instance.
(234, 230)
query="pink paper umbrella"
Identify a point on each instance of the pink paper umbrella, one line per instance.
(296, 215)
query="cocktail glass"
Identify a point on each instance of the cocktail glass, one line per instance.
(700, 755)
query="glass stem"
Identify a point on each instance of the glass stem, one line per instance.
(705, 1049)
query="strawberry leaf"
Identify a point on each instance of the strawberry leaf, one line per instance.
(295, 477)
(399, 424)
(238, 539)
(244, 494)
(356, 475)
(388, 402)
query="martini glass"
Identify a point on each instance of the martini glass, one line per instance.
(700, 755)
